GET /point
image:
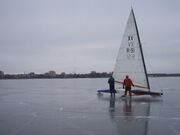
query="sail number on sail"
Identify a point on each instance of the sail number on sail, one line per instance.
(130, 50)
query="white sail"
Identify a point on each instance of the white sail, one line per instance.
(130, 60)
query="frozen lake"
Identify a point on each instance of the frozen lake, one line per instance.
(72, 107)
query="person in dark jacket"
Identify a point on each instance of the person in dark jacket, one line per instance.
(111, 82)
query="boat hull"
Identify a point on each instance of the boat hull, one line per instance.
(135, 92)
(141, 92)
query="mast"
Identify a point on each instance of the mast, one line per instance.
(140, 48)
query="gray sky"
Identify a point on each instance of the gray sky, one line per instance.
(84, 35)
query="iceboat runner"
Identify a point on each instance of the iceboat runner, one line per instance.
(130, 61)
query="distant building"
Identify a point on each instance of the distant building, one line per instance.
(1, 74)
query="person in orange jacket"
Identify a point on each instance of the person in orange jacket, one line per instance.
(127, 83)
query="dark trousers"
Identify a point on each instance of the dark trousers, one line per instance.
(127, 89)
(112, 90)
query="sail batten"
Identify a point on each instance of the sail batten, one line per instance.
(130, 59)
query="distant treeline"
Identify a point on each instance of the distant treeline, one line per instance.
(164, 75)
(53, 74)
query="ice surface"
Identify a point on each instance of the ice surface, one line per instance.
(72, 106)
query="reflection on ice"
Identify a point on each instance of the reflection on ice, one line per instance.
(128, 124)
(112, 104)
(125, 112)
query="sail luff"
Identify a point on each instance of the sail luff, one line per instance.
(141, 49)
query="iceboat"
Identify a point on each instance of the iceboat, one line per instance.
(130, 61)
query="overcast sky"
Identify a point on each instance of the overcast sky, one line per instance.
(84, 35)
